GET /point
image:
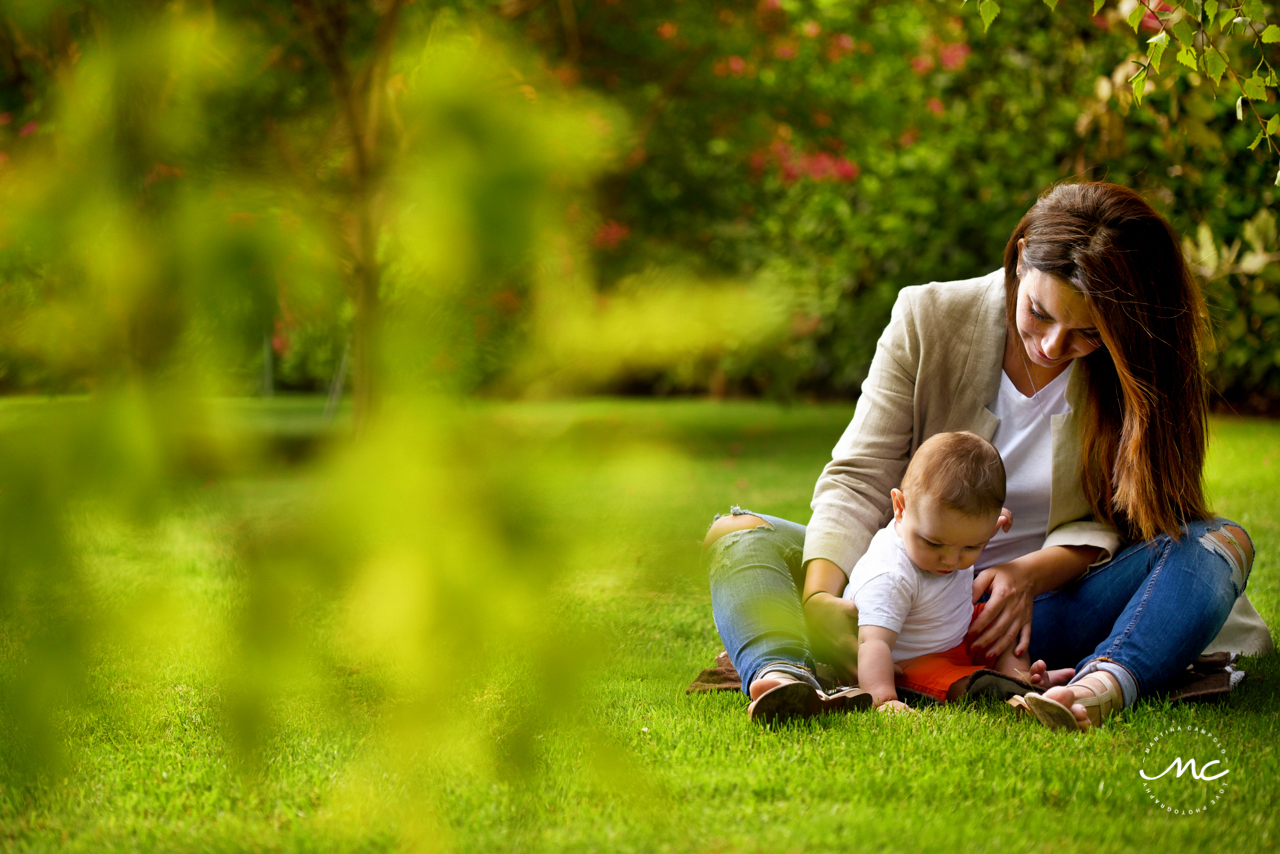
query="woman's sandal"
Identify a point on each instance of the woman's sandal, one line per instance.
(794, 698)
(1106, 700)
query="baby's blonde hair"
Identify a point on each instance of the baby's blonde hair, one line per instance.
(961, 471)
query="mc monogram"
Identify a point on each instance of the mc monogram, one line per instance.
(1202, 774)
(1196, 784)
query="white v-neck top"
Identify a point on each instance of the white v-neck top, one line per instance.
(1025, 442)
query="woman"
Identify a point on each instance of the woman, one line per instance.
(1080, 362)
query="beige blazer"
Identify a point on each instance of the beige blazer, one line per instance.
(937, 367)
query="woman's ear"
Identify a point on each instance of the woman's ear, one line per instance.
(899, 503)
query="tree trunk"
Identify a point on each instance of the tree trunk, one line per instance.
(368, 319)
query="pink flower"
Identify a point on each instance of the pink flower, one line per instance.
(1150, 22)
(922, 64)
(820, 166)
(846, 169)
(842, 44)
(29, 128)
(910, 137)
(785, 51)
(280, 337)
(811, 29)
(610, 234)
(953, 56)
(934, 105)
(737, 65)
(667, 30)
(770, 5)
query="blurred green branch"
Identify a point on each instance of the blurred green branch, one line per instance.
(1187, 26)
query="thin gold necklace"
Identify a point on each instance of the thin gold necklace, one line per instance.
(1035, 392)
(1022, 354)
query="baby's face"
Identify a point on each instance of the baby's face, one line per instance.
(938, 539)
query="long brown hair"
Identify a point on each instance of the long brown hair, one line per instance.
(1145, 425)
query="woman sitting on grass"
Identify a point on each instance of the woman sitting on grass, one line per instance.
(1080, 361)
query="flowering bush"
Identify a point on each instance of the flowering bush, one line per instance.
(833, 153)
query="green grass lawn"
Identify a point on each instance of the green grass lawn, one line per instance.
(636, 764)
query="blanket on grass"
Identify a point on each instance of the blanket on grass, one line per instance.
(1208, 677)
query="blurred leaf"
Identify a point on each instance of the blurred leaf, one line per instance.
(1155, 50)
(1136, 15)
(1183, 32)
(1187, 57)
(1052, 4)
(1211, 9)
(1215, 65)
(1255, 89)
(1257, 139)
(989, 9)
(1254, 10)
(1260, 231)
(1139, 82)
(1271, 34)
(1273, 124)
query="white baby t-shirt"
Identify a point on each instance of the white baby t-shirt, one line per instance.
(931, 613)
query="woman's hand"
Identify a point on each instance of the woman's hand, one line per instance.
(1006, 619)
(1014, 586)
(833, 632)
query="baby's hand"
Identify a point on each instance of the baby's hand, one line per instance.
(893, 707)
(1006, 519)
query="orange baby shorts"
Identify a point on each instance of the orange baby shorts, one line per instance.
(936, 673)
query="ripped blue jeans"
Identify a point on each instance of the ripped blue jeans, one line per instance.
(1142, 616)
(1147, 613)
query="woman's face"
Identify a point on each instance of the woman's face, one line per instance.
(1055, 323)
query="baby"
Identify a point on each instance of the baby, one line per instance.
(914, 586)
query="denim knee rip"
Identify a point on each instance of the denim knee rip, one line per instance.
(1232, 551)
(735, 510)
(1216, 540)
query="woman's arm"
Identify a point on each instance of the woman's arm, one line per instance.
(1015, 585)
(937, 338)
(851, 498)
(832, 620)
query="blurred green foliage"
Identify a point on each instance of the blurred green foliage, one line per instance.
(832, 153)
(826, 153)
(204, 179)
